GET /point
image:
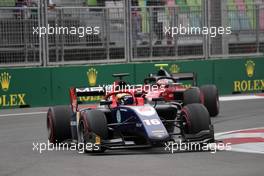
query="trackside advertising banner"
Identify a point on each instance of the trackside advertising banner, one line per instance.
(239, 75)
(23, 87)
(85, 76)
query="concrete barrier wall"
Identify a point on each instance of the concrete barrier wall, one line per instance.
(22, 87)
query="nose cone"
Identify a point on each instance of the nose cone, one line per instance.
(152, 125)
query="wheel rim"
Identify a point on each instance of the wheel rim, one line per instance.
(185, 127)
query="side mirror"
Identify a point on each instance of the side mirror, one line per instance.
(106, 102)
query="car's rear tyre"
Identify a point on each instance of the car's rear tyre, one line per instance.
(211, 99)
(192, 95)
(92, 122)
(196, 118)
(58, 123)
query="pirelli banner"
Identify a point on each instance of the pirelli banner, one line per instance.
(239, 75)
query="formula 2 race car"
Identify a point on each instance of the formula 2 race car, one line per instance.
(123, 121)
(171, 89)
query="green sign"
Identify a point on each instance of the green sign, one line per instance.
(24, 87)
(21, 87)
(239, 75)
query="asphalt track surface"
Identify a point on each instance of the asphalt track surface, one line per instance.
(17, 158)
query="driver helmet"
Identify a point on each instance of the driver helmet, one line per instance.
(164, 81)
(125, 99)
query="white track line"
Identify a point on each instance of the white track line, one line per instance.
(21, 114)
(240, 97)
(258, 148)
(239, 135)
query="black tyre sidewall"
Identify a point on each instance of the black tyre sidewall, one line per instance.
(192, 95)
(211, 99)
(94, 121)
(59, 118)
(197, 118)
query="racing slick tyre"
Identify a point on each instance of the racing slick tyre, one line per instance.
(58, 123)
(192, 95)
(211, 99)
(196, 118)
(92, 123)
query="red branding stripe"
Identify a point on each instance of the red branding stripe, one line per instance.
(92, 106)
(260, 95)
(242, 140)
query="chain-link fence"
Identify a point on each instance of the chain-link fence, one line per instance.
(246, 20)
(18, 45)
(83, 32)
(156, 32)
(86, 35)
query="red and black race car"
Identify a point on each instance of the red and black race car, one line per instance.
(171, 89)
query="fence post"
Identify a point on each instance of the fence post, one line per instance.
(107, 32)
(39, 24)
(43, 39)
(206, 38)
(175, 24)
(225, 38)
(257, 27)
(128, 30)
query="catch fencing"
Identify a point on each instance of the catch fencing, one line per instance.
(122, 32)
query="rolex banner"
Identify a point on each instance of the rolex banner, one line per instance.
(34, 87)
(85, 76)
(25, 87)
(239, 75)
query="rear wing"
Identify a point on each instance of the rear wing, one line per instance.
(76, 93)
(191, 76)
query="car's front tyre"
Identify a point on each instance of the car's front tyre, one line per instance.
(58, 123)
(92, 128)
